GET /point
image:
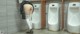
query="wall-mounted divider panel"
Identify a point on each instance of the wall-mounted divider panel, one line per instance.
(53, 17)
(43, 14)
(36, 18)
(62, 15)
(73, 20)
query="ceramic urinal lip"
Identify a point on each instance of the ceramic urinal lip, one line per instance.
(56, 5)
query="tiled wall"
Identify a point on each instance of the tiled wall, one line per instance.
(3, 16)
(9, 16)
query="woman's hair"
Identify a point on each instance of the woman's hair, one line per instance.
(22, 8)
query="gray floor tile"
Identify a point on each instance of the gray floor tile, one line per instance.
(45, 32)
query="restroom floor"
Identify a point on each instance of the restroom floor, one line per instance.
(44, 32)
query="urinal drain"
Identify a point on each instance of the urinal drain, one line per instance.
(52, 5)
(74, 4)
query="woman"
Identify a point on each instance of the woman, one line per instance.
(26, 9)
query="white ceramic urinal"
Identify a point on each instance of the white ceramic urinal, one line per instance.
(53, 17)
(36, 18)
(73, 17)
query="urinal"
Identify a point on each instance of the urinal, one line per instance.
(36, 18)
(73, 20)
(53, 17)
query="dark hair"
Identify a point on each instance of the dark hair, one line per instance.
(22, 8)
